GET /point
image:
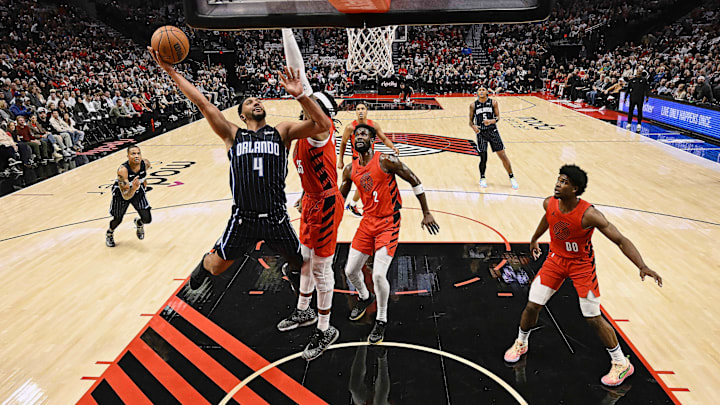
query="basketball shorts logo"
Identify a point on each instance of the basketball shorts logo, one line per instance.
(366, 182)
(561, 230)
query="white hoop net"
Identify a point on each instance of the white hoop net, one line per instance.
(370, 50)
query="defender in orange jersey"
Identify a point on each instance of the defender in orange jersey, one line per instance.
(321, 213)
(374, 176)
(362, 112)
(571, 221)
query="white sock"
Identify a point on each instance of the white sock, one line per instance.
(303, 302)
(616, 354)
(523, 336)
(352, 203)
(323, 322)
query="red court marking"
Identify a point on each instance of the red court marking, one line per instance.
(257, 292)
(211, 368)
(147, 314)
(124, 387)
(179, 279)
(621, 320)
(177, 183)
(505, 294)
(262, 262)
(411, 292)
(167, 376)
(103, 362)
(87, 400)
(680, 389)
(664, 372)
(257, 247)
(274, 376)
(345, 291)
(90, 378)
(285, 278)
(462, 283)
(640, 356)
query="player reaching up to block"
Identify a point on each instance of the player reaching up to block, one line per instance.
(374, 176)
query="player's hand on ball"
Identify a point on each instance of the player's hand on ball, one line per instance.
(646, 271)
(156, 55)
(291, 81)
(535, 250)
(429, 223)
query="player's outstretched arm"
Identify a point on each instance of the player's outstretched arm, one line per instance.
(345, 138)
(391, 164)
(346, 183)
(127, 189)
(318, 122)
(223, 128)
(593, 217)
(541, 229)
(385, 140)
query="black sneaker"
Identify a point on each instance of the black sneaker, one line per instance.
(378, 333)
(353, 210)
(109, 239)
(198, 276)
(319, 342)
(293, 278)
(139, 229)
(360, 306)
(297, 319)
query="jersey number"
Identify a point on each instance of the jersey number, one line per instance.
(375, 197)
(258, 165)
(571, 246)
(299, 166)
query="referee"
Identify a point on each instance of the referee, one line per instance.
(638, 89)
(258, 167)
(484, 115)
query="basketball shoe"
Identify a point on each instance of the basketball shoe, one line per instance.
(513, 354)
(358, 310)
(514, 183)
(378, 333)
(353, 210)
(618, 373)
(109, 239)
(483, 182)
(139, 229)
(297, 319)
(319, 342)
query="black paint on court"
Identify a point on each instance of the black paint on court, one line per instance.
(477, 321)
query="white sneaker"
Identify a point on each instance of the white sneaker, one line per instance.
(638, 128)
(514, 183)
(483, 183)
(627, 126)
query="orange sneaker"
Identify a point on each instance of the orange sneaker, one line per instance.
(513, 354)
(618, 373)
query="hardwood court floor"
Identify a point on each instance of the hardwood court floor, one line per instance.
(68, 301)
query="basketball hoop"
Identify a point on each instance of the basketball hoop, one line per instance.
(370, 50)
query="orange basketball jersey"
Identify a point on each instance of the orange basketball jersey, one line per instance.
(315, 162)
(378, 190)
(568, 239)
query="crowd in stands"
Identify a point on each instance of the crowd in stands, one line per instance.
(68, 81)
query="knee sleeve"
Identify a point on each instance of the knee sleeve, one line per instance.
(324, 280)
(539, 294)
(590, 306)
(353, 268)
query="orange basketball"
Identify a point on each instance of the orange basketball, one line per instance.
(171, 43)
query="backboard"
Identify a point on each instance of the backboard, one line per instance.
(259, 14)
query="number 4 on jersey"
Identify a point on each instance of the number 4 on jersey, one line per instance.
(258, 165)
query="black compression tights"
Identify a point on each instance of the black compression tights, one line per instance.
(145, 218)
(483, 163)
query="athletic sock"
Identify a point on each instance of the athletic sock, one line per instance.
(323, 322)
(511, 175)
(381, 313)
(304, 302)
(110, 231)
(363, 292)
(523, 336)
(616, 354)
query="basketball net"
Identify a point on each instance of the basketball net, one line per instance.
(370, 50)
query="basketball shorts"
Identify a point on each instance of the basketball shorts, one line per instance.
(374, 233)
(493, 137)
(582, 273)
(320, 220)
(245, 229)
(119, 205)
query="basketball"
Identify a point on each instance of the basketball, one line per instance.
(171, 43)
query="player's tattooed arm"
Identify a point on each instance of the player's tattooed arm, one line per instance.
(594, 218)
(127, 189)
(346, 183)
(391, 164)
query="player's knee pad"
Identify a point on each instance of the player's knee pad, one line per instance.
(355, 261)
(322, 271)
(590, 305)
(539, 294)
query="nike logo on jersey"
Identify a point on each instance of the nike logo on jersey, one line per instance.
(267, 147)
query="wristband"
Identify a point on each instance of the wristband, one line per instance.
(418, 189)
